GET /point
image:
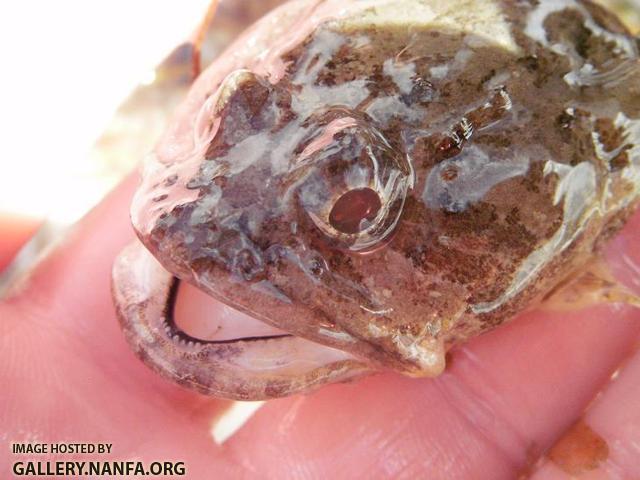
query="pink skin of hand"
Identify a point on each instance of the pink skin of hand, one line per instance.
(504, 400)
(16, 231)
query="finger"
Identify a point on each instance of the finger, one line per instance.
(91, 244)
(504, 399)
(70, 374)
(16, 231)
(605, 441)
(623, 255)
(392, 395)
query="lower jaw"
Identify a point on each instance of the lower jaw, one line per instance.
(240, 358)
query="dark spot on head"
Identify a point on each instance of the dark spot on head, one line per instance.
(422, 91)
(171, 180)
(530, 62)
(316, 266)
(247, 264)
(449, 174)
(619, 162)
(564, 120)
(449, 147)
(486, 78)
(274, 254)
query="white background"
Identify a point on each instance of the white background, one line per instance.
(65, 67)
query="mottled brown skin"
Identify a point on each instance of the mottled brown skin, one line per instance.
(477, 150)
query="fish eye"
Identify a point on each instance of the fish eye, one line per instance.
(355, 182)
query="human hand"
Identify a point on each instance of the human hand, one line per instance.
(504, 400)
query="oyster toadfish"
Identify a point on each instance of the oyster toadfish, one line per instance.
(381, 180)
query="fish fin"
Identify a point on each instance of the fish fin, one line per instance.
(591, 285)
(199, 35)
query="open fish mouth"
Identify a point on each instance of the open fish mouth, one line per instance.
(259, 363)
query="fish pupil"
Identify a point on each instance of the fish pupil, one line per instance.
(354, 207)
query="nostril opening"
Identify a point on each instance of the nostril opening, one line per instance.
(247, 264)
(353, 208)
